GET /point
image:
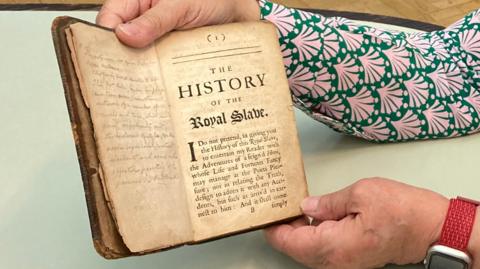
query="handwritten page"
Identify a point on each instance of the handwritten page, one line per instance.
(135, 140)
(235, 127)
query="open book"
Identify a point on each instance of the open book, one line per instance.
(190, 139)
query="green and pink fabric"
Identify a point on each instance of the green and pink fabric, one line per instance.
(382, 86)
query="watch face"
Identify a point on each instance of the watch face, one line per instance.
(441, 261)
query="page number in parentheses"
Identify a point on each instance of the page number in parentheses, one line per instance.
(216, 38)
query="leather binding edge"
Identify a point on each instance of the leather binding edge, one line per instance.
(106, 239)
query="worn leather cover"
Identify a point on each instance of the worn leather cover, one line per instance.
(106, 238)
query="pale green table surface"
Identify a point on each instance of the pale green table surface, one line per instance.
(43, 217)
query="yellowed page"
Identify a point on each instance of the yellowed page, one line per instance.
(135, 139)
(235, 126)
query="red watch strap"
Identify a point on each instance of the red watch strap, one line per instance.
(458, 224)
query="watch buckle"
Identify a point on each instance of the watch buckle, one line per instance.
(448, 251)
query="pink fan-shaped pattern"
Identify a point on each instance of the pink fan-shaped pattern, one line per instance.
(307, 43)
(373, 65)
(323, 22)
(447, 79)
(437, 118)
(470, 42)
(420, 60)
(408, 126)
(461, 115)
(287, 55)
(417, 90)
(379, 35)
(440, 47)
(282, 17)
(391, 97)
(361, 105)
(330, 43)
(417, 41)
(347, 73)
(474, 19)
(352, 40)
(378, 130)
(474, 100)
(399, 59)
(472, 63)
(333, 108)
(304, 15)
(323, 83)
(338, 21)
(301, 81)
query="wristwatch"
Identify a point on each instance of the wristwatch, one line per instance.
(450, 252)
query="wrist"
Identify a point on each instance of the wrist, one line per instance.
(474, 243)
(439, 214)
(459, 236)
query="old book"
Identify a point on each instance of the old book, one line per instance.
(190, 139)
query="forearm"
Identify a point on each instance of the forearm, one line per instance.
(374, 84)
(474, 243)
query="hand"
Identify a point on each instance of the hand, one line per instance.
(139, 22)
(369, 224)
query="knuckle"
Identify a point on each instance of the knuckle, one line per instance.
(371, 240)
(366, 187)
(361, 187)
(130, 6)
(151, 23)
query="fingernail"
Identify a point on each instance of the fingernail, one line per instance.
(129, 28)
(309, 204)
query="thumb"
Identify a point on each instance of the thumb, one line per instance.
(152, 24)
(333, 206)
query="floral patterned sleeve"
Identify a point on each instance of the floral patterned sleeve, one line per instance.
(382, 86)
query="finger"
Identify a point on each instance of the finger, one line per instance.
(333, 206)
(305, 243)
(152, 24)
(290, 240)
(115, 12)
